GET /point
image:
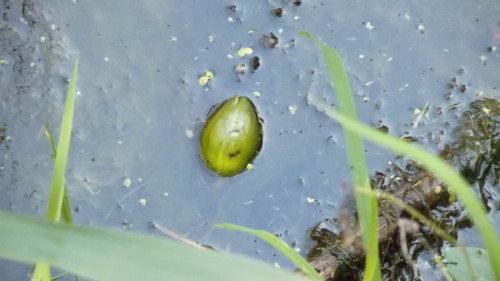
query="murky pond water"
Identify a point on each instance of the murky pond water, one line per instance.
(139, 99)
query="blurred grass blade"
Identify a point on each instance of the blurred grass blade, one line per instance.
(41, 271)
(66, 207)
(55, 278)
(366, 205)
(433, 163)
(57, 186)
(281, 246)
(110, 255)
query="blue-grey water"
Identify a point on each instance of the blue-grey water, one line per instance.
(139, 100)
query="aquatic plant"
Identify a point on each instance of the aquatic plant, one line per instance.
(231, 137)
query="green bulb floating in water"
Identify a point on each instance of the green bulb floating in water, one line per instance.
(231, 137)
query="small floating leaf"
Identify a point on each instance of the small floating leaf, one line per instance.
(244, 51)
(232, 136)
(206, 77)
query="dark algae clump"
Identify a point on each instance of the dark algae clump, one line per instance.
(477, 151)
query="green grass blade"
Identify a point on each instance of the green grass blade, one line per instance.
(57, 189)
(110, 255)
(58, 197)
(366, 205)
(281, 246)
(433, 163)
(66, 209)
(41, 272)
(50, 138)
(66, 215)
(55, 278)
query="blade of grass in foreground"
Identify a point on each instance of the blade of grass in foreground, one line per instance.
(66, 215)
(57, 189)
(281, 246)
(110, 255)
(432, 163)
(66, 206)
(41, 271)
(366, 205)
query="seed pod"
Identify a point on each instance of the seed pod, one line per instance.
(232, 136)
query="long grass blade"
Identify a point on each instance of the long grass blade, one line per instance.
(110, 255)
(57, 187)
(366, 205)
(433, 163)
(58, 197)
(279, 245)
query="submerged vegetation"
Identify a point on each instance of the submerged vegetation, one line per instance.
(105, 254)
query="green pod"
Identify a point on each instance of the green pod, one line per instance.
(231, 137)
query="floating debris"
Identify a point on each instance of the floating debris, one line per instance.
(420, 113)
(483, 59)
(189, 133)
(241, 68)
(127, 225)
(278, 12)
(421, 28)
(339, 249)
(255, 63)
(127, 182)
(462, 88)
(368, 25)
(270, 40)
